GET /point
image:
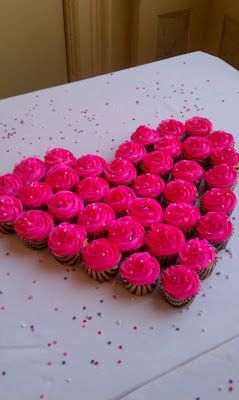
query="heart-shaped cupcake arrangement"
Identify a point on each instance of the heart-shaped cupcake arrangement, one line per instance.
(159, 211)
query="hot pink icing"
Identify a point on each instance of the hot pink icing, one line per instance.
(171, 127)
(119, 198)
(221, 139)
(62, 177)
(126, 233)
(35, 194)
(65, 205)
(147, 211)
(198, 126)
(197, 148)
(188, 170)
(145, 135)
(92, 189)
(197, 254)
(219, 199)
(120, 172)
(157, 162)
(221, 176)
(140, 269)
(59, 156)
(225, 155)
(10, 184)
(148, 185)
(180, 190)
(131, 151)
(66, 239)
(34, 225)
(169, 144)
(96, 217)
(10, 208)
(30, 169)
(180, 282)
(90, 165)
(215, 227)
(182, 215)
(164, 240)
(101, 255)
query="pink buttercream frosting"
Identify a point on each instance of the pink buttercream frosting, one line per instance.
(197, 148)
(10, 208)
(10, 184)
(221, 139)
(164, 240)
(188, 170)
(219, 199)
(182, 215)
(171, 127)
(148, 185)
(169, 144)
(66, 239)
(92, 189)
(180, 282)
(180, 190)
(198, 126)
(126, 233)
(157, 162)
(59, 156)
(221, 176)
(30, 169)
(120, 172)
(35, 194)
(140, 269)
(119, 198)
(34, 225)
(146, 211)
(145, 135)
(62, 177)
(90, 165)
(65, 205)
(215, 227)
(197, 254)
(101, 255)
(225, 155)
(96, 217)
(131, 151)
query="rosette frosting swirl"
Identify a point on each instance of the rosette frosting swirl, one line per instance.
(180, 282)
(215, 227)
(140, 269)
(119, 198)
(148, 185)
(146, 211)
(197, 254)
(157, 162)
(221, 139)
(34, 225)
(188, 170)
(164, 240)
(171, 127)
(62, 177)
(145, 135)
(225, 155)
(101, 255)
(10, 208)
(10, 184)
(90, 165)
(182, 215)
(59, 156)
(35, 194)
(197, 148)
(96, 217)
(30, 169)
(198, 126)
(126, 233)
(131, 151)
(169, 144)
(219, 199)
(221, 176)
(120, 172)
(180, 190)
(66, 239)
(92, 189)
(65, 205)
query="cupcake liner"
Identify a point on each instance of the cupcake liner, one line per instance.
(190, 232)
(220, 245)
(102, 276)
(176, 302)
(35, 244)
(205, 273)
(166, 261)
(68, 260)
(139, 290)
(6, 227)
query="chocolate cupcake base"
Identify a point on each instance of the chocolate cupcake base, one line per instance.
(6, 227)
(139, 290)
(68, 260)
(176, 302)
(205, 273)
(166, 261)
(35, 244)
(102, 276)
(221, 245)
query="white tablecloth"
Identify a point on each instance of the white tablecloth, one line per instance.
(63, 336)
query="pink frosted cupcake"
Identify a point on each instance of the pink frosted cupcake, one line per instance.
(92, 189)
(120, 172)
(35, 194)
(179, 285)
(148, 185)
(33, 227)
(131, 151)
(171, 127)
(171, 145)
(182, 215)
(65, 205)
(10, 209)
(221, 139)
(127, 234)
(198, 149)
(66, 242)
(59, 156)
(140, 273)
(164, 242)
(198, 126)
(188, 170)
(158, 163)
(101, 259)
(30, 169)
(146, 211)
(96, 218)
(218, 200)
(225, 155)
(90, 165)
(216, 227)
(62, 177)
(200, 256)
(179, 190)
(221, 176)
(10, 184)
(119, 198)
(145, 136)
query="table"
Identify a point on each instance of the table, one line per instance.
(62, 335)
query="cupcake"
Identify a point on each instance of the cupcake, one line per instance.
(10, 209)
(30, 169)
(120, 172)
(221, 139)
(146, 211)
(101, 259)
(131, 151)
(145, 136)
(158, 163)
(225, 155)
(184, 216)
(148, 185)
(200, 256)
(10, 184)
(198, 126)
(96, 218)
(66, 242)
(179, 190)
(90, 165)
(171, 127)
(92, 189)
(197, 148)
(188, 170)
(171, 145)
(127, 234)
(216, 227)
(33, 227)
(62, 177)
(140, 273)
(65, 205)
(218, 200)
(179, 285)
(35, 194)
(221, 176)
(164, 242)
(119, 198)
(59, 156)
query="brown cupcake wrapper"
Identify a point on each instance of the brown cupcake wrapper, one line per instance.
(139, 290)
(68, 260)
(176, 302)
(220, 245)
(190, 232)
(205, 273)
(6, 227)
(35, 244)
(102, 276)
(167, 261)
